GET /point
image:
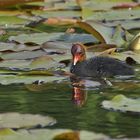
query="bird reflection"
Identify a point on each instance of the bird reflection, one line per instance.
(79, 96)
(81, 86)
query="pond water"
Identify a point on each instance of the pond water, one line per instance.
(79, 112)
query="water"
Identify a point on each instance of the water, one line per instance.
(59, 101)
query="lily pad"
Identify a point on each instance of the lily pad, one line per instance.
(58, 13)
(122, 56)
(135, 43)
(40, 38)
(103, 33)
(116, 15)
(123, 104)
(6, 131)
(23, 55)
(55, 134)
(57, 45)
(72, 38)
(36, 38)
(45, 62)
(11, 21)
(127, 24)
(15, 64)
(40, 63)
(17, 120)
(16, 48)
(95, 29)
(26, 79)
(100, 5)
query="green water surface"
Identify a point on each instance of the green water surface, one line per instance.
(56, 100)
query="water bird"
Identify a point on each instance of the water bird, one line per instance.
(98, 66)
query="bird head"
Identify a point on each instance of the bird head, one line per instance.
(78, 52)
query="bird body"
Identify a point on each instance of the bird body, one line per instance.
(98, 66)
(101, 67)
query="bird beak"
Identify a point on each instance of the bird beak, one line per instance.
(76, 59)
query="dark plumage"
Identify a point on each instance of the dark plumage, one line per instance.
(97, 66)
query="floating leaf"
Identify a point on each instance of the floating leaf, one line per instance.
(23, 55)
(58, 45)
(11, 21)
(103, 33)
(17, 120)
(55, 134)
(44, 62)
(115, 15)
(14, 47)
(122, 56)
(123, 104)
(72, 38)
(59, 13)
(26, 79)
(135, 43)
(36, 38)
(6, 131)
(92, 28)
(97, 5)
(37, 72)
(63, 57)
(40, 38)
(126, 24)
(15, 64)
(117, 37)
(108, 51)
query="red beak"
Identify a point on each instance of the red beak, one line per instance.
(76, 59)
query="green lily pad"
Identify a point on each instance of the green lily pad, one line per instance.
(15, 64)
(9, 13)
(17, 120)
(105, 34)
(135, 43)
(16, 48)
(58, 13)
(26, 78)
(127, 24)
(40, 38)
(116, 15)
(123, 104)
(45, 62)
(36, 38)
(57, 45)
(6, 131)
(55, 134)
(63, 57)
(72, 38)
(94, 5)
(10, 21)
(122, 56)
(22, 55)
(100, 5)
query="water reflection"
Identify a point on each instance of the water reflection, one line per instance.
(81, 86)
(60, 100)
(79, 96)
